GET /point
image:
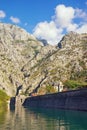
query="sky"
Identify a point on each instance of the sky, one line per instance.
(46, 19)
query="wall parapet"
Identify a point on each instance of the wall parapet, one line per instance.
(73, 100)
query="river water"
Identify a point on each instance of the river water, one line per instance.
(22, 118)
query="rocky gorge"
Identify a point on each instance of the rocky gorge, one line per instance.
(27, 66)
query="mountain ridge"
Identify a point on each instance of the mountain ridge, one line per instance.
(26, 62)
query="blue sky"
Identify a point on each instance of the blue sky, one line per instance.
(46, 19)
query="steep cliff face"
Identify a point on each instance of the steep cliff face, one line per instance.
(66, 63)
(17, 49)
(26, 64)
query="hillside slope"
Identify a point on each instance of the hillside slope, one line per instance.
(27, 64)
(17, 48)
(66, 63)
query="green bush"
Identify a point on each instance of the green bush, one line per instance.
(50, 89)
(72, 84)
(3, 98)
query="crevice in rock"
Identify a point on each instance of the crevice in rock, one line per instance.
(20, 87)
(38, 86)
(26, 91)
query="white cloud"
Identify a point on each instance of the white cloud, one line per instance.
(79, 13)
(64, 15)
(65, 19)
(82, 29)
(2, 14)
(48, 31)
(15, 20)
(72, 27)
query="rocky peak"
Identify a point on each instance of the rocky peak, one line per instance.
(70, 39)
(14, 32)
(44, 41)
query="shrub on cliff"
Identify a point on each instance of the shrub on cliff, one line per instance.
(50, 89)
(3, 98)
(72, 84)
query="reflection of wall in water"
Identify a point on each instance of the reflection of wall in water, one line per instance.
(44, 119)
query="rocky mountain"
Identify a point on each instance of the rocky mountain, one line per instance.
(45, 43)
(17, 49)
(26, 64)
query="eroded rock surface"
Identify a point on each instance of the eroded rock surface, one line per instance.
(26, 62)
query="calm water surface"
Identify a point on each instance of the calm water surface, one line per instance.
(42, 119)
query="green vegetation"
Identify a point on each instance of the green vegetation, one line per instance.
(79, 76)
(47, 89)
(3, 99)
(50, 89)
(72, 84)
(3, 105)
(2, 115)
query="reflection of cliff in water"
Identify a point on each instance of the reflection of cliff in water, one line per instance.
(43, 119)
(3, 111)
(70, 120)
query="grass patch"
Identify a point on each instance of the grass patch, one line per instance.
(3, 105)
(72, 84)
(50, 89)
(3, 99)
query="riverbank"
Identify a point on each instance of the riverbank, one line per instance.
(73, 100)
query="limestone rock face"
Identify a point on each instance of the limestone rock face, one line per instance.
(26, 65)
(66, 63)
(17, 49)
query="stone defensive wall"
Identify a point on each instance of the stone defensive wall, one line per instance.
(70, 100)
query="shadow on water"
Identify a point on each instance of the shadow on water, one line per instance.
(71, 120)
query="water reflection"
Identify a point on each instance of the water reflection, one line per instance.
(3, 111)
(62, 120)
(43, 119)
